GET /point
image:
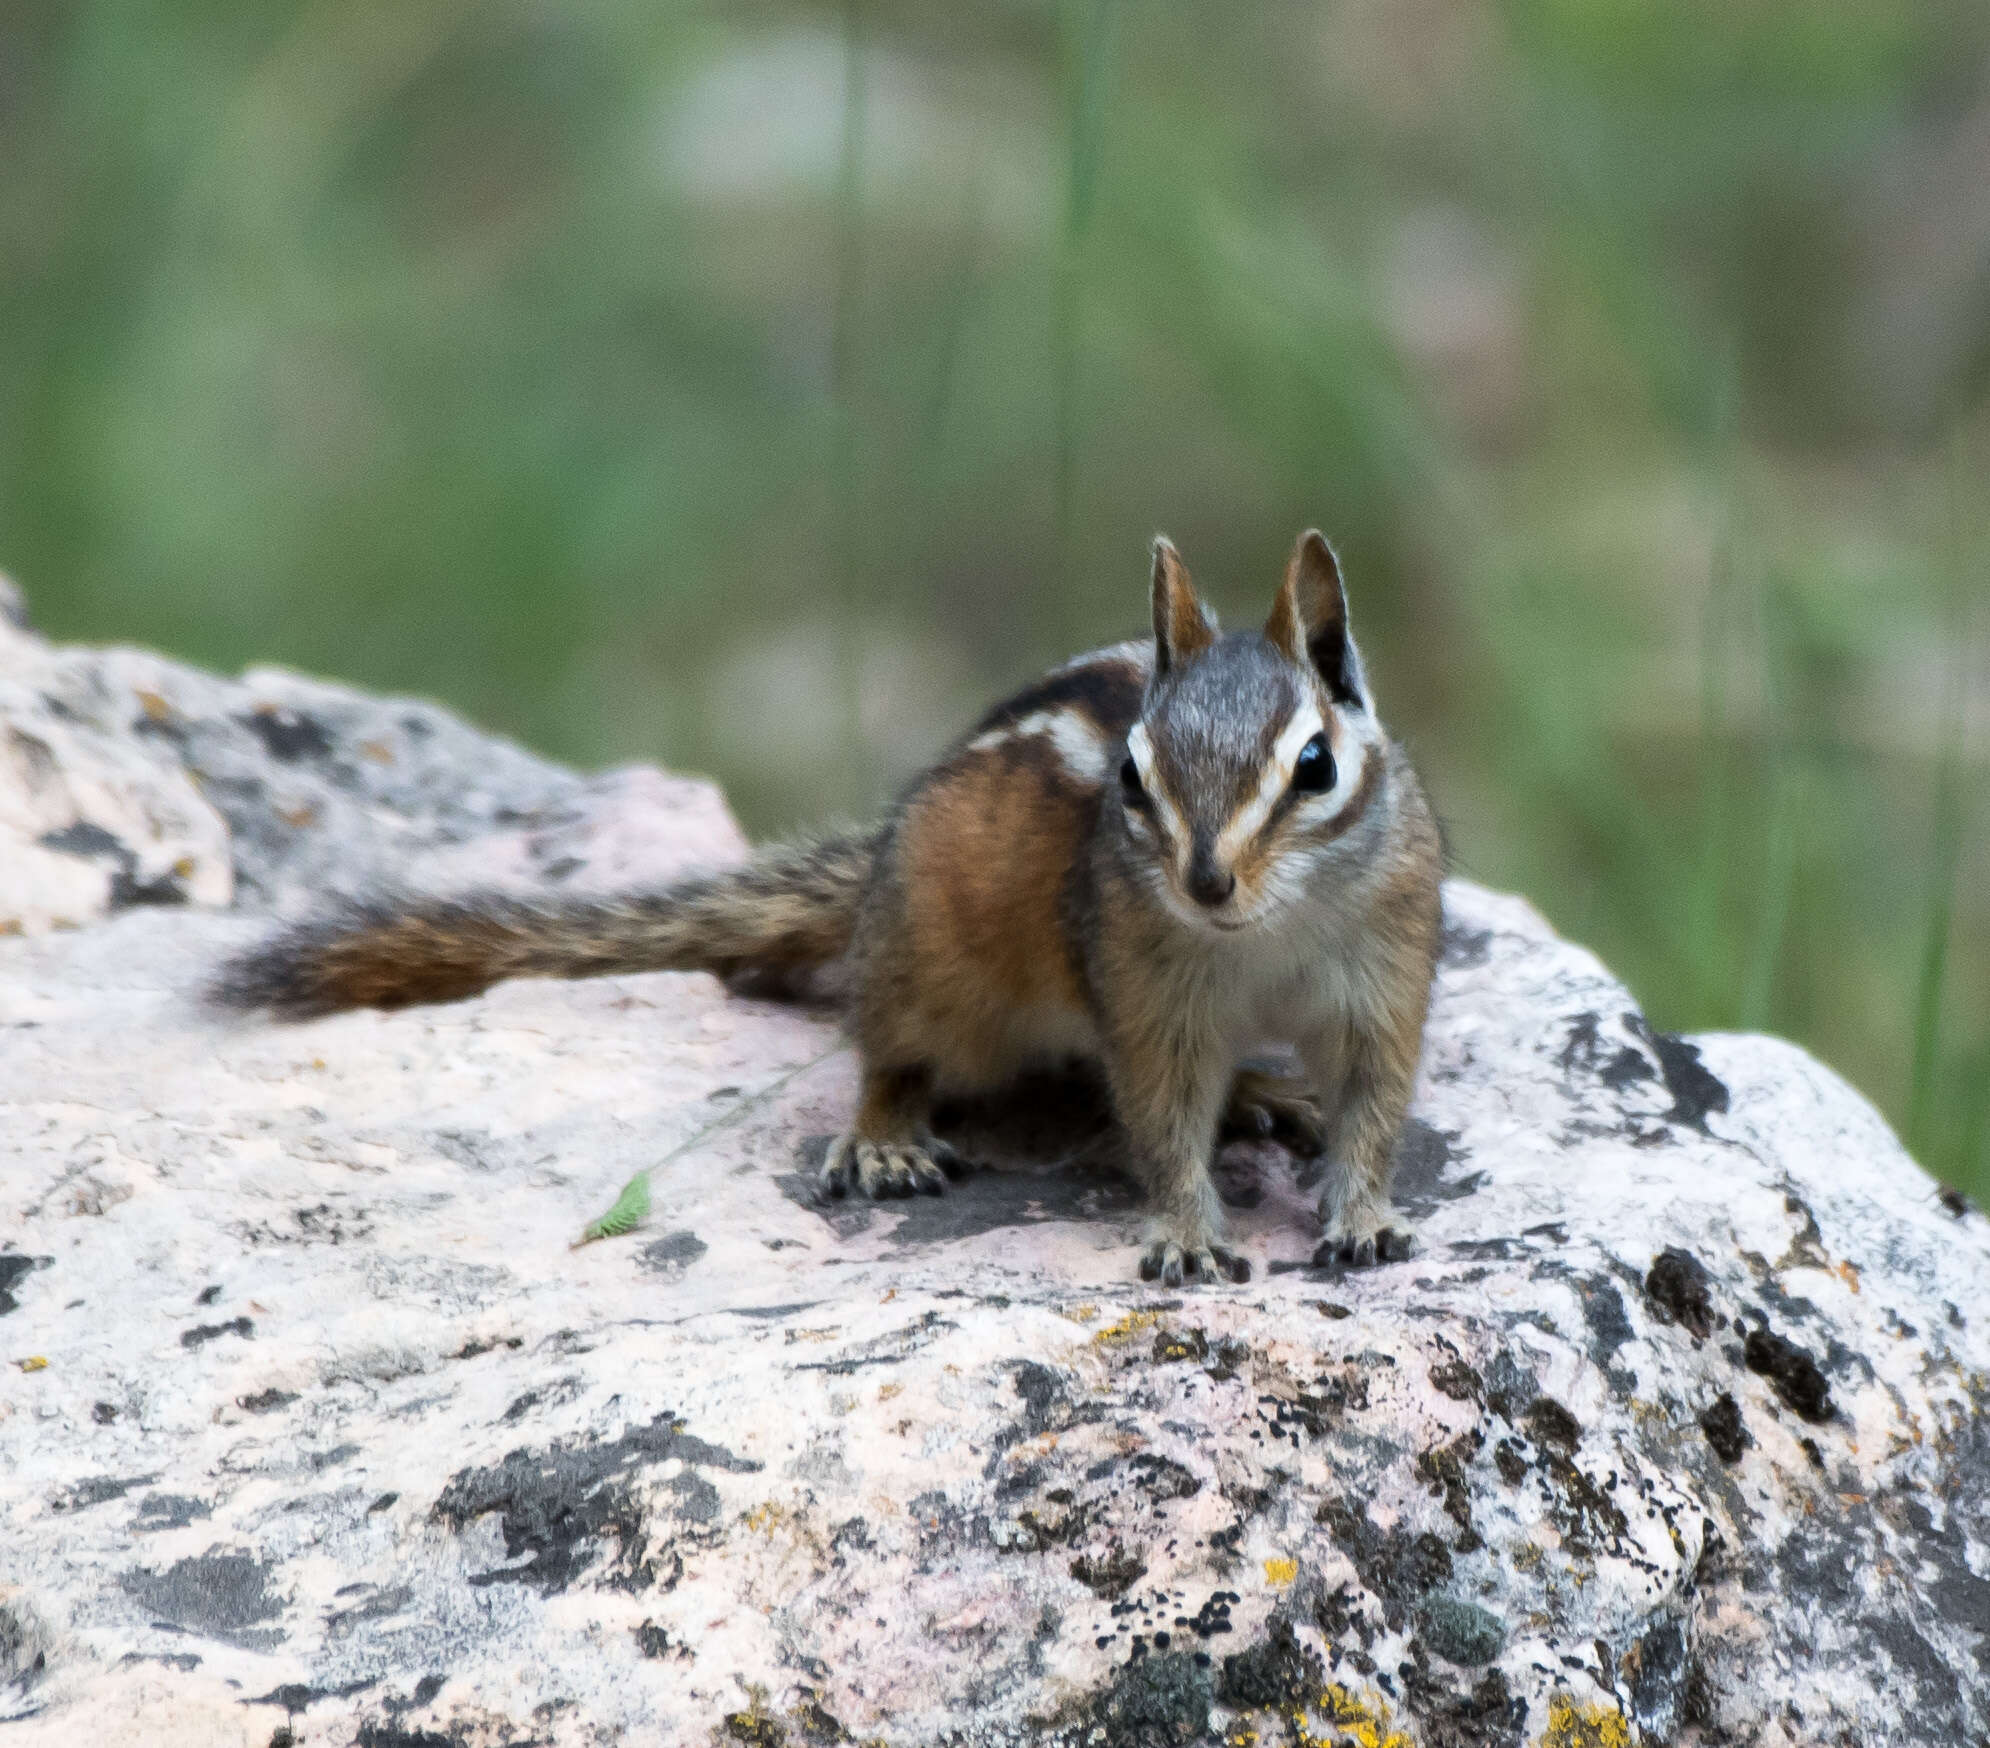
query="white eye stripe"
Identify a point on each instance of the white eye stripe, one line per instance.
(1273, 782)
(1140, 749)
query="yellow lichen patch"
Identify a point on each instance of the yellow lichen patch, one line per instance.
(765, 1519)
(1353, 1719)
(1126, 1328)
(887, 1391)
(1085, 1313)
(1281, 1572)
(1574, 1726)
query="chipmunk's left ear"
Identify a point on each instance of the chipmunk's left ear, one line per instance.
(1309, 620)
(1183, 626)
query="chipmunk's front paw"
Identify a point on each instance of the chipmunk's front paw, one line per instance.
(1172, 1262)
(1361, 1237)
(1274, 1107)
(884, 1169)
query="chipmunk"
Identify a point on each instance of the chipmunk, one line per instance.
(1156, 858)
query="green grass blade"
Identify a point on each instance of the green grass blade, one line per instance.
(631, 1206)
(1945, 851)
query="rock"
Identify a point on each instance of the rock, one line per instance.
(317, 1431)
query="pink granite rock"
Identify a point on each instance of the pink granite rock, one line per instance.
(1672, 1430)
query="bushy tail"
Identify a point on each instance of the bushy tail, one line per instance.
(788, 910)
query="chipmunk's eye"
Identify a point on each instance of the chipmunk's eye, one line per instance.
(1313, 770)
(1129, 782)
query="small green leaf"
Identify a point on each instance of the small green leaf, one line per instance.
(632, 1205)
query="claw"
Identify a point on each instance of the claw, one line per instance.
(1363, 1247)
(881, 1172)
(1172, 1264)
(836, 1168)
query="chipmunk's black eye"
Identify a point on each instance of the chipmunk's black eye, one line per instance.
(1129, 781)
(1313, 770)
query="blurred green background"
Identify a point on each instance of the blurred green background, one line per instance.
(762, 388)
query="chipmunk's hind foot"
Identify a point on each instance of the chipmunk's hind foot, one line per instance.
(883, 1170)
(1265, 1106)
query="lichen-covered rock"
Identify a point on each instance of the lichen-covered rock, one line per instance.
(314, 1428)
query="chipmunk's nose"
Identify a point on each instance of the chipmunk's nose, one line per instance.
(1208, 884)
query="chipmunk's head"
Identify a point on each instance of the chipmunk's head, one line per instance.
(1256, 754)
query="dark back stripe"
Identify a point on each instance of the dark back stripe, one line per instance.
(1108, 691)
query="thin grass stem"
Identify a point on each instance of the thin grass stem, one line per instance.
(1945, 846)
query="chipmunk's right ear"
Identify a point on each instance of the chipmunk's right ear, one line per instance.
(1309, 619)
(1183, 626)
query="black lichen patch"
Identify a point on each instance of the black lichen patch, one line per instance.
(1424, 1158)
(1724, 1428)
(201, 1334)
(128, 891)
(264, 1401)
(1695, 1088)
(393, 1734)
(1490, 1716)
(1109, 1575)
(24, 1647)
(1157, 1702)
(1586, 1050)
(1680, 1290)
(559, 1501)
(1465, 949)
(86, 840)
(295, 1696)
(1626, 1069)
(97, 1490)
(222, 1594)
(1603, 1311)
(1279, 1670)
(287, 735)
(13, 1267)
(817, 1723)
(1443, 1470)
(1587, 1517)
(1549, 1423)
(381, 1604)
(1792, 1372)
(653, 1642)
(1457, 1379)
(1162, 1478)
(93, 843)
(1657, 1670)
(477, 1346)
(1180, 1344)
(165, 1511)
(1398, 1567)
(670, 1255)
(846, 1218)
(1510, 1386)
(754, 1729)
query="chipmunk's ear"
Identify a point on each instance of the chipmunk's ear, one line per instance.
(1309, 619)
(1183, 626)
